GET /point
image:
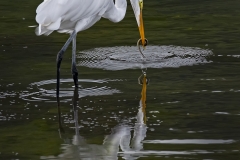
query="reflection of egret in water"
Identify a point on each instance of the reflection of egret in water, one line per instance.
(78, 148)
(120, 142)
(140, 128)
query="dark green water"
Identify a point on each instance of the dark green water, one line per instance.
(192, 110)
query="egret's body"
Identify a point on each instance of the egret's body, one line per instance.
(73, 16)
(78, 15)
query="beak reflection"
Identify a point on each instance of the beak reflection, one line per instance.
(143, 80)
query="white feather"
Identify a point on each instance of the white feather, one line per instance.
(116, 12)
(68, 15)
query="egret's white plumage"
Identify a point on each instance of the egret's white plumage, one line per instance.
(72, 16)
(78, 15)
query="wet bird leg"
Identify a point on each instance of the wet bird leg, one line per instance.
(60, 57)
(74, 68)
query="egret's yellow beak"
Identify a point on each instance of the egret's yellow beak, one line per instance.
(141, 26)
(137, 6)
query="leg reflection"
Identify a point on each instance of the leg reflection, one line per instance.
(75, 110)
(61, 130)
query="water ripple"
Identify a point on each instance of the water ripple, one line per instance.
(127, 57)
(152, 152)
(7, 94)
(191, 141)
(38, 90)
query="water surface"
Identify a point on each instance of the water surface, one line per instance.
(192, 97)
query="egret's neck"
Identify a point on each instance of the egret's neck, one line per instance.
(116, 12)
(121, 3)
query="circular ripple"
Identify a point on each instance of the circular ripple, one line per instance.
(127, 57)
(38, 91)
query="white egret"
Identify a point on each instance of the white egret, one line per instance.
(73, 16)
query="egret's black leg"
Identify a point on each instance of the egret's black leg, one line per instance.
(74, 68)
(60, 57)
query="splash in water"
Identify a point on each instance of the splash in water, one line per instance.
(127, 57)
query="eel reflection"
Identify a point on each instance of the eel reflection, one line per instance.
(118, 142)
